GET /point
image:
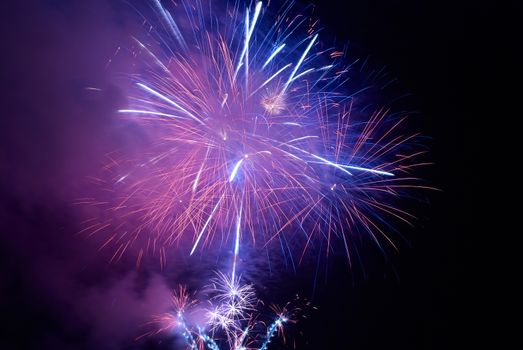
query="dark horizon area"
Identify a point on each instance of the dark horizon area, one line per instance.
(58, 292)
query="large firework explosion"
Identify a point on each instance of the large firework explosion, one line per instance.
(257, 136)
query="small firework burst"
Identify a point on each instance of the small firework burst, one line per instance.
(233, 317)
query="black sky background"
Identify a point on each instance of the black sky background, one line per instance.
(58, 293)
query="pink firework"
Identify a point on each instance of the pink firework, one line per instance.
(254, 136)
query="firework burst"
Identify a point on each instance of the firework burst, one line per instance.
(232, 317)
(256, 137)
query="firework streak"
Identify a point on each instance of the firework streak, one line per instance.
(255, 136)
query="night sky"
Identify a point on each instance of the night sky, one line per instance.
(58, 292)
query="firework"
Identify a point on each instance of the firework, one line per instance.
(232, 317)
(256, 136)
(235, 300)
